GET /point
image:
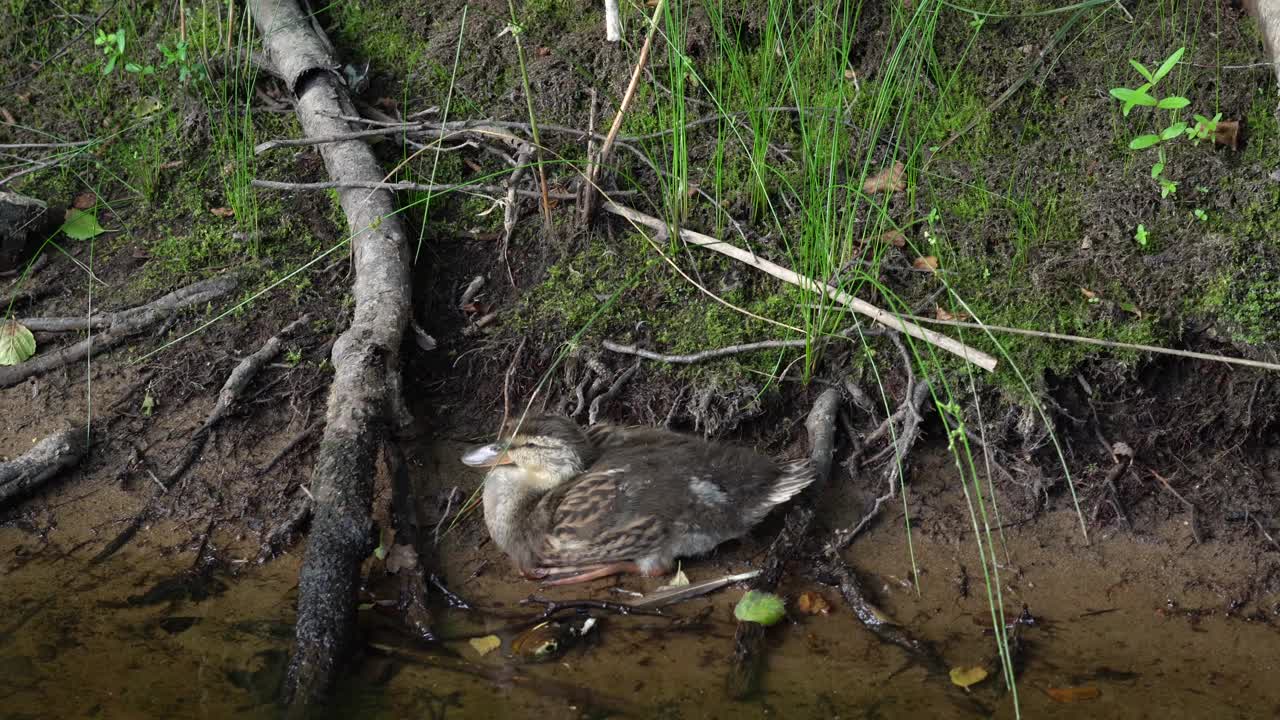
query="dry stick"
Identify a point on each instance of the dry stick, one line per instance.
(365, 398)
(703, 356)
(593, 165)
(977, 357)
(747, 663)
(422, 187)
(511, 211)
(1094, 341)
(228, 396)
(612, 21)
(44, 460)
(122, 326)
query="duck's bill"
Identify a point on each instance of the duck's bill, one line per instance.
(487, 456)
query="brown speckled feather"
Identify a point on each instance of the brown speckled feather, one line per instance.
(655, 495)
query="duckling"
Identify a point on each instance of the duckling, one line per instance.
(570, 506)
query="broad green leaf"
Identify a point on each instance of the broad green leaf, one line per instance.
(1137, 97)
(1142, 69)
(1173, 102)
(1173, 131)
(1157, 169)
(1168, 65)
(1140, 235)
(1143, 141)
(111, 65)
(81, 225)
(759, 607)
(16, 343)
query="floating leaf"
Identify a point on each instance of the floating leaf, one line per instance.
(485, 645)
(1073, 694)
(928, 262)
(679, 580)
(81, 225)
(966, 677)
(759, 607)
(813, 603)
(16, 343)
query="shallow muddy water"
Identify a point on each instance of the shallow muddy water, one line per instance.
(1151, 626)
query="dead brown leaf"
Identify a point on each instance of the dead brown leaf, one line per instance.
(887, 180)
(223, 212)
(1073, 694)
(542, 51)
(171, 165)
(942, 314)
(812, 603)
(895, 238)
(84, 201)
(8, 116)
(926, 262)
(1228, 133)
(1088, 294)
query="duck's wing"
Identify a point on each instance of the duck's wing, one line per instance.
(590, 522)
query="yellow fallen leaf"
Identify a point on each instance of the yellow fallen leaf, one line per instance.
(965, 677)
(485, 645)
(1073, 694)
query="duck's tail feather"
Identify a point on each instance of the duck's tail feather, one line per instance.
(796, 476)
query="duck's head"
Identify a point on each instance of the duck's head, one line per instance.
(548, 448)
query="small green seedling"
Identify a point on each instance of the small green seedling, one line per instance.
(112, 45)
(1144, 96)
(1201, 215)
(1141, 235)
(176, 56)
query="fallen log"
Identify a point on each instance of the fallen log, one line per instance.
(365, 402)
(45, 459)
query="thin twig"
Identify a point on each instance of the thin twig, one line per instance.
(1094, 341)
(855, 304)
(705, 354)
(594, 164)
(419, 187)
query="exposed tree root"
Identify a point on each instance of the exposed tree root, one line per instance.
(47, 458)
(365, 400)
(835, 572)
(116, 328)
(232, 389)
(747, 662)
